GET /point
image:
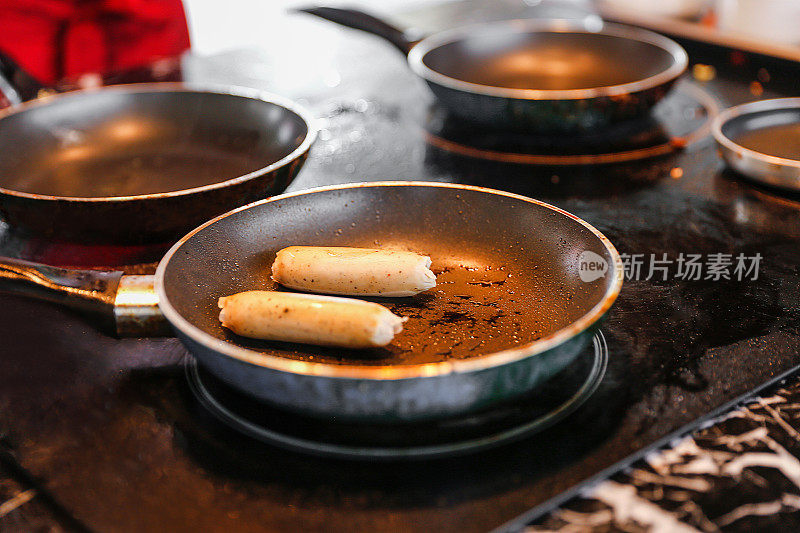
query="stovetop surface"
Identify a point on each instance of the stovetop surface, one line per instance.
(112, 430)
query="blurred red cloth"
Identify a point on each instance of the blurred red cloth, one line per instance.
(55, 39)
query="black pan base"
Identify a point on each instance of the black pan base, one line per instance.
(680, 119)
(552, 402)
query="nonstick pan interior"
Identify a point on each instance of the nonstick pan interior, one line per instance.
(507, 267)
(515, 56)
(761, 140)
(126, 141)
(772, 132)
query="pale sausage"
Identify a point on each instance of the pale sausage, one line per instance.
(354, 271)
(307, 318)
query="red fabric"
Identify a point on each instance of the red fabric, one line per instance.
(54, 39)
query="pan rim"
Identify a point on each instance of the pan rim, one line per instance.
(387, 372)
(752, 108)
(680, 59)
(175, 87)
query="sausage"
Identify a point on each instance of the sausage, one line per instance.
(355, 271)
(308, 318)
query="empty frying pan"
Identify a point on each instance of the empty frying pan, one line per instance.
(144, 163)
(516, 299)
(547, 75)
(762, 140)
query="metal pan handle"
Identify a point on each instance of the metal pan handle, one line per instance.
(126, 306)
(359, 20)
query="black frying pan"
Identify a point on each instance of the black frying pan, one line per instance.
(513, 304)
(144, 163)
(546, 75)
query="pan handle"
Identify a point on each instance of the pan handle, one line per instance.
(15, 84)
(352, 18)
(126, 306)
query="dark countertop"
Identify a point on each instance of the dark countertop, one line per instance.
(110, 430)
(741, 473)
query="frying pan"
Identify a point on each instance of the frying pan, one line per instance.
(144, 163)
(510, 310)
(546, 75)
(762, 140)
